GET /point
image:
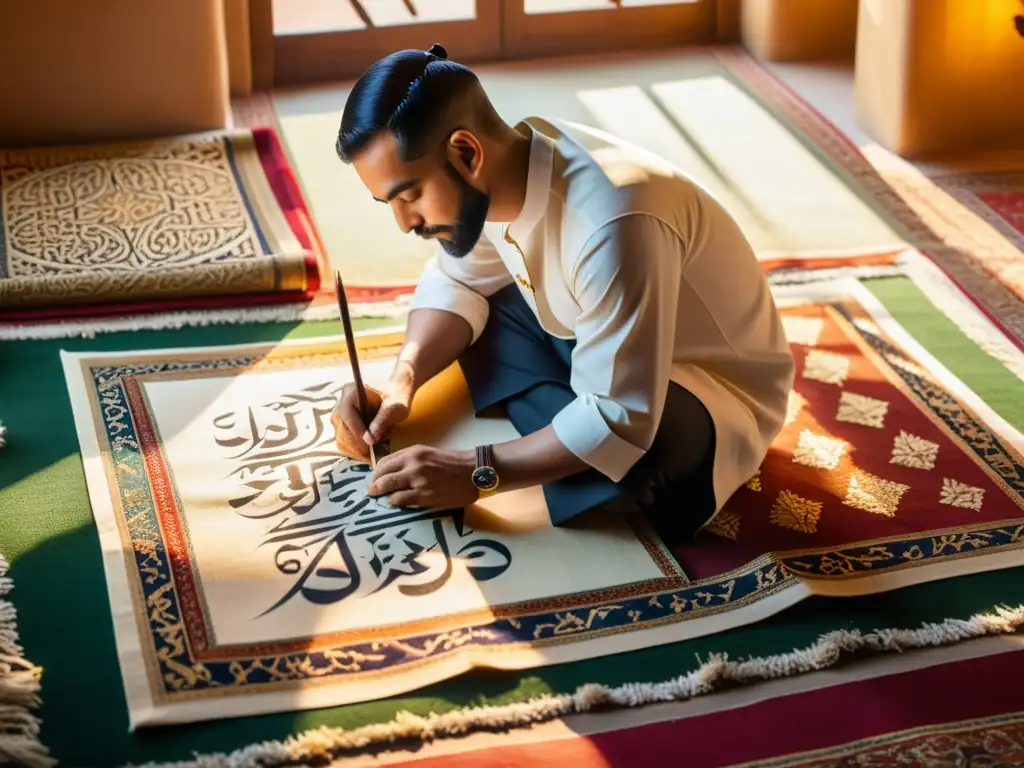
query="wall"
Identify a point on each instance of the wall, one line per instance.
(800, 30)
(940, 75)
(236, 27)
(85, 70)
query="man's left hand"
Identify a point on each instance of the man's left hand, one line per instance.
(421, 476)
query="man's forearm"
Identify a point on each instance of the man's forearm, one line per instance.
(434, 339)
(535, 459)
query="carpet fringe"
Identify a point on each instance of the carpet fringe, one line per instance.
(717, 671)
(3, 435)
(19, 692)
(90, 328)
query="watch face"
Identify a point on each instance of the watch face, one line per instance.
(485, 478)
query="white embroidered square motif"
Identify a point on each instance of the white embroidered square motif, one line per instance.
(873, 494)
(802, 330)
(826, 367)
(818, 451)
(794, 405)
(958, 494)
(912, 451)
(863, 410)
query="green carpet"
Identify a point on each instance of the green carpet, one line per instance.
(46, 530)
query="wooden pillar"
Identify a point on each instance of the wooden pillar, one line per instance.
(728, 27)
(236, 27)
(800, 30)
(935, 76)
(111, 69)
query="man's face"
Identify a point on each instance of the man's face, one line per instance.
(427, 196)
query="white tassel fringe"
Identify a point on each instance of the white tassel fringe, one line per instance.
(3, 435)
(88, 328)
(326, 743)
(19, 689)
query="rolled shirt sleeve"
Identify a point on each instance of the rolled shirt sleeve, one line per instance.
(626, 283)
(462, 285)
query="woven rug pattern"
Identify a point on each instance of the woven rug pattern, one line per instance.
(151, 224)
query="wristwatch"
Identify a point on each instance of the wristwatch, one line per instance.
(485, 476)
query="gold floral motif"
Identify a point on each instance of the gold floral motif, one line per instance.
(972, 541)
(802, 330)
(914, 553)
(873, 494)
(826, 367)
(841, 563)
(568, 622)
(443, 642)
(794, 405)
(859, 409)
(754, 483)
(770, 578)
(725, 524)
(957, 494)
(912, 451)
(819, 451)
(795, 512)
(704, 598)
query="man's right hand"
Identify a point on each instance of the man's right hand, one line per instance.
(385, 408)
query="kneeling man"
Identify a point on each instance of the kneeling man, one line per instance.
(609, 304)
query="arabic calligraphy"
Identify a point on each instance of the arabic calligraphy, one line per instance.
(326, 533)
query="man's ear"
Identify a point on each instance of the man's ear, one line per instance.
(466, 153)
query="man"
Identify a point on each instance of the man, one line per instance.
(610, 305)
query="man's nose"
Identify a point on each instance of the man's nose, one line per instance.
(407, 220)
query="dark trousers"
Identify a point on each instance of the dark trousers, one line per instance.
(517, 364)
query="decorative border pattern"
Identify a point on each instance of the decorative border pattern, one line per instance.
(183, 670)
(979, 283)
(326, 743)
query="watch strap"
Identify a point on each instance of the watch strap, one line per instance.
(484, 456)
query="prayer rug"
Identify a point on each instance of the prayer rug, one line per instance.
(249, 574)
(46, 522)
(973, 238)
(936, 715)
(974, 205)
(187, 222)
(888, 469)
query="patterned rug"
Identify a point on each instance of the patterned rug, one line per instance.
(251, 574)
(904, 717)
(967, 219)
(975, 206)
(186, 222)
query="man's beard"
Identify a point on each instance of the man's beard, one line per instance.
(459, 239)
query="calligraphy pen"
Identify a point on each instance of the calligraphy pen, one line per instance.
(382, 448)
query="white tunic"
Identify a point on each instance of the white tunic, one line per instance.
(654, 280)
